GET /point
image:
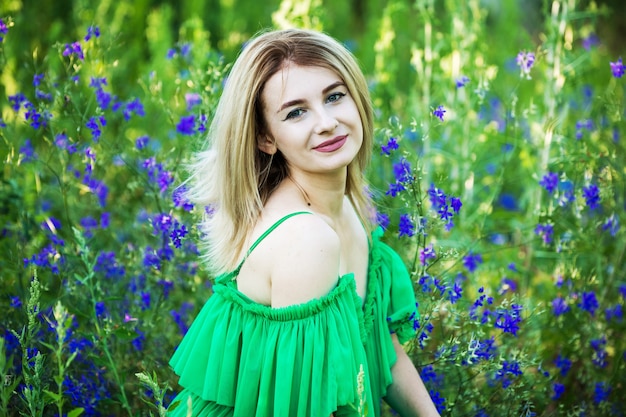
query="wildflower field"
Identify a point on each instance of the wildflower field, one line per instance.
(499, 175)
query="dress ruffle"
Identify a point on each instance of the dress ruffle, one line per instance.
(260, 361)
(240, 358)
(389, 308)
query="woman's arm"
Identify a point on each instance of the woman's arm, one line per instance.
(407, 394)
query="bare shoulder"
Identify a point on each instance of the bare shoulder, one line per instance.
(303, 258)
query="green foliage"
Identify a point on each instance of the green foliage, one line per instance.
(505, 194)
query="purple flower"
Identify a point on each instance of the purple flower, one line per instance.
(559, 306)
(17, 100)
(550, 181)
(592, 196)
(584, 124)
(180, 200)
(185, 48)
(471, 261)
(525, 60)
(589, 302)
(92, 124)
(192, 100)
(92, 31)
(462, 81)
(439, 112)
(406, 226)
(395, 188)
(133, 107)
(74, 49)
(590, 41)
(27, 151)
(392, 145)
(3, 30)
(16, 302)
(427, 253)
(141, 142)
(179, 231)
(103, 98)
(617, 68)
(37, 78)
(402, 171)
(382, 219)
(455, 293)
(456, 204)
(508, 320)
(186, 126)
(611, 224)
(438, 400)
(545, 231)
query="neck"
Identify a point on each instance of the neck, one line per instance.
(324, 194)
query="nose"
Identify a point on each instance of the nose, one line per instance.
(326, 122)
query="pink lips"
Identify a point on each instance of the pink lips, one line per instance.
(332, 145)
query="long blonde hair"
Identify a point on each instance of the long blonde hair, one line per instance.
(232, 176)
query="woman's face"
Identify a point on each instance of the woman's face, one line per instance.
(311, 118)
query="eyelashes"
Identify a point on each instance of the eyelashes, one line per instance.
(297, 112)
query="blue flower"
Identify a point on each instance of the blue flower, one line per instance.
(439, 112)
(589, 302)
(508, 320)
(392, 145)
(3, 29)
(192, 100)
(591, 194)
(141, 142)
(402, 171)
(92, 31)
(557, 390)
(525, 60)
(74, 49)
(617, 68)
(550, 181)
(382, 219)
(462, 81)
(563, 364)
(427, 253)
(559, 306)
(472, 260)
(186, 126)
(611, 224)
(133, 107)
(601, 392)
(28, 152)
(15, 302)
(545, 231)
(438, 400)
(406, 226)
(455, 293)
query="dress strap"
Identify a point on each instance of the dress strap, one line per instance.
(263, 236)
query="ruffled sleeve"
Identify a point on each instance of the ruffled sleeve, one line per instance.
(390, 307)
(249, 359)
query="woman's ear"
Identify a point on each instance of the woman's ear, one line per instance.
(266, 144)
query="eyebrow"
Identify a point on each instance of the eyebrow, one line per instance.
(300, 100)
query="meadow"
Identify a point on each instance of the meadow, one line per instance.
(498, 173)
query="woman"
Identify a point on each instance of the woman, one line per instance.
(309, 307)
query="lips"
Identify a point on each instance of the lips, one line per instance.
(332, 144)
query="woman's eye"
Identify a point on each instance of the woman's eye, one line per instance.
(334, 97)
(294, 113)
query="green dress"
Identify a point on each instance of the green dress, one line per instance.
(329, 355)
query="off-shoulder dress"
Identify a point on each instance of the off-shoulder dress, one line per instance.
(331, 355)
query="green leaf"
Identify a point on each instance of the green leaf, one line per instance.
(75, 412)
(55, 397)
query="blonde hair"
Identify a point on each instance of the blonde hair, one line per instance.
(233, 177)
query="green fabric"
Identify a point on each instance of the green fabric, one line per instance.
(240, 358)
